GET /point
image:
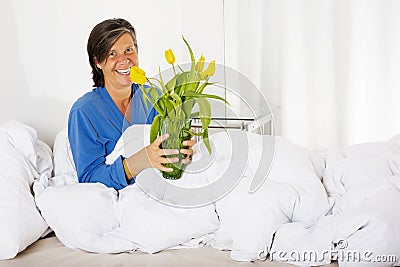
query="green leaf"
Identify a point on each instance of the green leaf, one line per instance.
(154, 86)
(187, 106)
(198, 95)
(192, 68)
(177, 98)
(201, 88)
(195, 114)
(154, 94)
(164, 88)
(193, 133)
(193, 82)
(192, 75)
(204, 112)
(161, 105)
(181, 83)
(177, 104)
(170, 107)
(206, 140)
(146, 97)
(180, 68)
(166, 106)
(205, 118)
(155, 126)
(171, 84)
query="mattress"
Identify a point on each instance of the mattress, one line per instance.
(51, 252)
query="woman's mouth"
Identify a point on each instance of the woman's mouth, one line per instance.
(123, 72)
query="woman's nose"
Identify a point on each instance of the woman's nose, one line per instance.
(123, 58)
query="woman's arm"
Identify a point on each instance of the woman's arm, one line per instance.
(151, 156)
(88, 148)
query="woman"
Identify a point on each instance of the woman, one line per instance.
(97, 119)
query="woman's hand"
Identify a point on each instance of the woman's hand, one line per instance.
(152, 157)
(188, 151)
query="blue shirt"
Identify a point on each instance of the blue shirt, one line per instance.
(94, 126)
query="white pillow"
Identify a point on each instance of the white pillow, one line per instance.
(371, 150)
(64, 166)
(132, 140)
(350, 173)
(355, 172)
(395, 140)
(21, 223)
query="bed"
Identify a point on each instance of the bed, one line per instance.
(51, 252)
(330, 203)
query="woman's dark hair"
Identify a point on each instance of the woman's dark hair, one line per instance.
(100, 41)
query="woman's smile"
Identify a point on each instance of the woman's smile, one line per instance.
(124, 72)
(116, 67)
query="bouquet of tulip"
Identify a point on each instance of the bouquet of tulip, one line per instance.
(175, 100)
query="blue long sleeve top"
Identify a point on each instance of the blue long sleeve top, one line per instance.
(94, 126)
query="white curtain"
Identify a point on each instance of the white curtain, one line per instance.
(332, 67)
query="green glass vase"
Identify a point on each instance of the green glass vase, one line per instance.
(178, 131)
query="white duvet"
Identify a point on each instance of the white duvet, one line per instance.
(363, 227)
(335, 205)
(95, 218)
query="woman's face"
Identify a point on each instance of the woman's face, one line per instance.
(121, 57)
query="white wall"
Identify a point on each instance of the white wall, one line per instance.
(332, 66)
(44, 66)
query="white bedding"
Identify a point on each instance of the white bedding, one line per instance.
(241, 222)
(292, 192)
(124, 221)
(310, 202)
(22, 159)
(364, 183)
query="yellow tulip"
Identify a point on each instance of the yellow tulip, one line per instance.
(200, 64)
(169, 56)
(210, 70)
(137, 75)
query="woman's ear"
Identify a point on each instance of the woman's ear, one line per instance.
(97, 62)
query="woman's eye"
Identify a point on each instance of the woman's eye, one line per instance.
(129, 50)
(112, 54)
